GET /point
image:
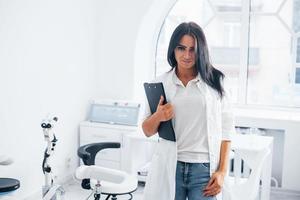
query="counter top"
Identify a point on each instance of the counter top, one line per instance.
(291, 115)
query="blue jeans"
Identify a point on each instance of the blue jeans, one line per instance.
(191, 179)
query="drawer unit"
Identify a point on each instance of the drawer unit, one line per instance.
(91, 132)
(100, 134)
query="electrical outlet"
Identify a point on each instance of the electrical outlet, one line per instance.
(55, 177)
(68, 162)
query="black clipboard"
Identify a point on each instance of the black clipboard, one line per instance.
(153, 93)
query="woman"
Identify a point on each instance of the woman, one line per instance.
(202, 121)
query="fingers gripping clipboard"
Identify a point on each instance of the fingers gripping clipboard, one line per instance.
(153, 93)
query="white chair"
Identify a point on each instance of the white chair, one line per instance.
(238, 188)
(109, 182)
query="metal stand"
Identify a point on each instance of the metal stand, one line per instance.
(50, 190)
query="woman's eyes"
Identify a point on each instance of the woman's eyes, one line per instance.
(192, 50)
(180, 48)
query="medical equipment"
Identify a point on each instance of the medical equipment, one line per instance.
(50, 190)
(114, 112)
(7, 184)
(110, 182)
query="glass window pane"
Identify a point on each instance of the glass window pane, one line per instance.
(296, 15)
(290, 15)
(298, 50)
(269, 6)
(269, 77)
(297, 80)
(223, 35)
(227, 5)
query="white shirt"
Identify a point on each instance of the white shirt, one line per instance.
(190, 122)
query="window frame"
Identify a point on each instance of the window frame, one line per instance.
(246, 15)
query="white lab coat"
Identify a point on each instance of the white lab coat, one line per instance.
(160, 183)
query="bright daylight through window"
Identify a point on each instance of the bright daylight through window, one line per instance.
(256, 43)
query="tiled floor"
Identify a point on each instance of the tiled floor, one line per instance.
(73, 191)
(290, 195)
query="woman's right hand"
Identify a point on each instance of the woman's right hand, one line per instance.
(164, 112)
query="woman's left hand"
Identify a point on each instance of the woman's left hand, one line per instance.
(215, 184)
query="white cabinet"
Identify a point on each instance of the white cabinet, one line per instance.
(91, 132)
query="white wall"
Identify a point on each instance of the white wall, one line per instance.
(146, 43)
(47, 65)
(118, 24)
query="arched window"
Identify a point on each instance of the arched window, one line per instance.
(256, 43)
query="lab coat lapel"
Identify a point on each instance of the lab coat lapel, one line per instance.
(170, 87)
(210, 121)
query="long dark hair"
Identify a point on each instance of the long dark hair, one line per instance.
(208, 73)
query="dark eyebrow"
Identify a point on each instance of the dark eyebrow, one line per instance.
(180, 45)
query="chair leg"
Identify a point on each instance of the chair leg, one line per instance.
(97, 196)
(130, 196)
(114, 197)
